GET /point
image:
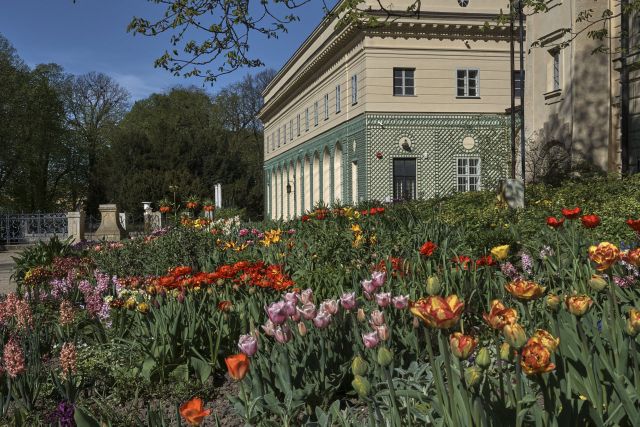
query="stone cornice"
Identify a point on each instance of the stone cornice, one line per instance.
(351, 36)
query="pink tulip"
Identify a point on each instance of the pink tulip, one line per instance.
(308, 311)
(278, 312)
(322, 319)
(368, 286)
(371, 339)
(383, 299)
(283, 334)
(307, 296)
(330, 306)
(401, 302)
(290, 308)
(348, 301)
(377, 318)
(292, 297)
(248, 344)
(378, 278)
(243, 232)
(269, 328)
(296, 316)
(383, 332)
(302, 329)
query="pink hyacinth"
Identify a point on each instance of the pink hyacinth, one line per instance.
(383, 299)
(322, 319)
(348, 300)
(13, 358)
(401, 302)
(248, 344)
(371, 339)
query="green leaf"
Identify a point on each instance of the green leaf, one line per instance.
(202, 368)
(83, 419)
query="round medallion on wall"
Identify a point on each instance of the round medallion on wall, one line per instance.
(405, 143)
(468, 143)
(463, 3)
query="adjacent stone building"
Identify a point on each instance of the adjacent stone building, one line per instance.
(415, 108)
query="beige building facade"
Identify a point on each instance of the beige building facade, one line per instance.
(415, 108)
(572, 92)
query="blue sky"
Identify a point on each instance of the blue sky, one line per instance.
(90, 35)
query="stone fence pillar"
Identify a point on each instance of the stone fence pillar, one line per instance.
(75, 226)
(110, 228)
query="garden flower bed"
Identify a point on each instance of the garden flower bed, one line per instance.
(380, 316)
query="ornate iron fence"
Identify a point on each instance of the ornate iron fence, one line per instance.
(30, 228)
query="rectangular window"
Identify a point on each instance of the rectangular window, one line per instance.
(278, 136)
(291, 130)
(273, 141)
(338, 99)
(404, 179)
(315, 113)
(555, 57)
(284, 134)
(403, 81)
(326, 106)
(267, 145)
(306, 119)
(354, 89)
(518, 82)
(468, 174)
(298, 123)
(468, 83)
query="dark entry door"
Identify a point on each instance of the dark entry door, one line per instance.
(404, 179)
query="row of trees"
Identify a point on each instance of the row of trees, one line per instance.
(69, 141)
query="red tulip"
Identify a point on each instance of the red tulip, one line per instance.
(428, 249)
(554, 222)
(571, 213)
(634, 224)
(590, 221)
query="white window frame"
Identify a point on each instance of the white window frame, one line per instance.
(326, 106)
(354, 89)
(306, 119)
(404, 85)
(467, 174)
(466, 83)
(315, 113)
(338, 100)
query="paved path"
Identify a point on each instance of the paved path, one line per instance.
(6, 269)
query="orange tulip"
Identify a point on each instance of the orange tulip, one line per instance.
(604, 255)
(462, 345)
(499, 315)
(237, 365)
(438, 312)
(633, 257)
(544, 338)
(578, 304)
(193, 411)
(525, 290)
(536, 359)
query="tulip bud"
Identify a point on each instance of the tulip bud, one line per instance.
(553, 302)
(361, 316)
(433, 285)
(302, 329)
(515, 335)
(597, 282)
(416, 323)
(506, 353)
(483, 359)
(385, 356)
(472, 376)
(143, 308)
(359, 366)
(361, 386)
